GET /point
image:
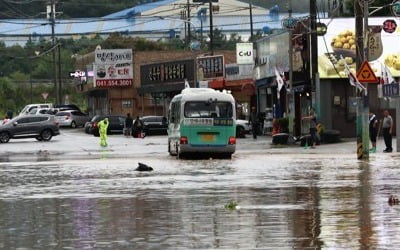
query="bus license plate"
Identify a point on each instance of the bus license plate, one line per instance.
(208, 137)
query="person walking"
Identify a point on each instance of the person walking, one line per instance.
(373, 126)
(313, 126)
(253, 120)
(128, 125)
(387, 129)
(103, 126)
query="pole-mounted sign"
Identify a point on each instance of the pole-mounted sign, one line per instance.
(365, 74)
(396, 8)
(289, 23)
(389, 26)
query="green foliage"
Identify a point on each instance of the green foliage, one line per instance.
(283, 123)
(232, 205)
(376, 3)
(221, 41)
(26, 72)
(7, 95)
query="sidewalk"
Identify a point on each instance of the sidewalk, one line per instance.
(74, 144)
(346, 146)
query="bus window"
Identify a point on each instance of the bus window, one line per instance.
(208, 110)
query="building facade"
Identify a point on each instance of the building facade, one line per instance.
(159, 75)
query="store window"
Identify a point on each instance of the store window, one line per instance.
(127, 103)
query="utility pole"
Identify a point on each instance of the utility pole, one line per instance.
(290, 94)
(211, 28)
(314, 48)
(188, 21)
(251, 22)
(362, 130)
(59, 74)
(51, 15)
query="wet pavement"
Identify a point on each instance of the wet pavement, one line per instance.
(71, 194)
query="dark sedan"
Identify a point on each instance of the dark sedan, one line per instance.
(116, 124)
(41, 127)
(155, 125)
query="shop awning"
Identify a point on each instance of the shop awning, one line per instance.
(147, 89)
(216, 83)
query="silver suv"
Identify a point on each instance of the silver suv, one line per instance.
(41, 127)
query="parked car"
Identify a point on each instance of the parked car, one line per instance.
(88, 126)
(116, 124)
(242, 128)
(41, 127)
(29, 107)
(155, 125)
(63, 107)
(71, 118)
(43, 111)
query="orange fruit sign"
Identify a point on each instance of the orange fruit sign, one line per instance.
(365, 74)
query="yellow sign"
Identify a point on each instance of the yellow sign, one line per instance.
(365, 74)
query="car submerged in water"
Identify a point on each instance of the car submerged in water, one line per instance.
(41, 127)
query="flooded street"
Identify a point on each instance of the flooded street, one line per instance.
(286, 201)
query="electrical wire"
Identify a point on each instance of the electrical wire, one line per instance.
(14, 10)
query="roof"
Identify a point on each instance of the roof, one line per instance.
(152, 20)
(86, 26)
(167, 8)
(195, 94)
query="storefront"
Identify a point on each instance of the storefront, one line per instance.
(239, 80)
(165, 80)
(337, 105)
(156, 77)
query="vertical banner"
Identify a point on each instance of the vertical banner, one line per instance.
(374, 42)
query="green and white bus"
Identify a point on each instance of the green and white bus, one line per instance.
(202, 120)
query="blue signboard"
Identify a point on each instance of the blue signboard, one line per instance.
(390, 90)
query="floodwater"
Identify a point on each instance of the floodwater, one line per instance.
(285, 201)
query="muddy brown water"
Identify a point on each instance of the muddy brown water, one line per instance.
(285, 202)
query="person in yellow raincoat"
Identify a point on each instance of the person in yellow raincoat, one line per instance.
(103, 125)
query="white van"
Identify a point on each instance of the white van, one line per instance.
(29, 107)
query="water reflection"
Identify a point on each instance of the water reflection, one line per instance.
(286, 203)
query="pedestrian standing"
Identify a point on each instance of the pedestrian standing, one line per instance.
(6, 119)
(138, 127)
(103, 126)
(9, 114)
(253, 120)
(313, 126)
(373, 126)
(387, 129)
(128, 125)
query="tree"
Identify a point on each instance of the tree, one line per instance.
(7, 95)
(385, 11)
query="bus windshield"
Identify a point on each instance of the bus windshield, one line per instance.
(207, 109)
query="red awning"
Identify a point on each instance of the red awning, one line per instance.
(249, 89)
(238, 83)
(216, 83)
